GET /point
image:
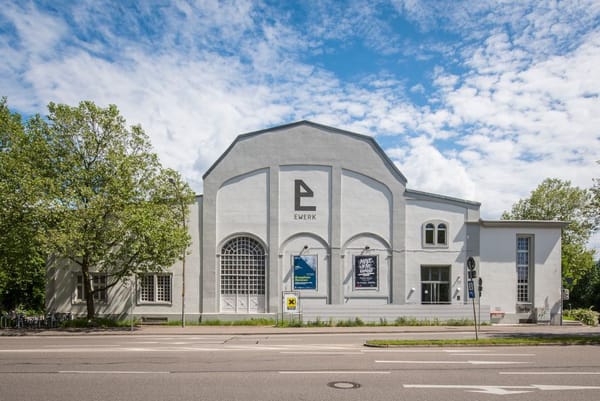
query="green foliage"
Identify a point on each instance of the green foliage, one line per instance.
(586, 293)
(22, 273)
(87, 190)
(585, 316)
(411, 321)
(557, 200)
(320, 323)
(97, 323)
(245, 322)
(550, 340)
(356, 322)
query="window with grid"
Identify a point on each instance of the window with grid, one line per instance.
(523, 265)
(155, 288)
(242, 267)
(98, 284)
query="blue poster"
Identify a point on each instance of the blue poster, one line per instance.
(305, 272)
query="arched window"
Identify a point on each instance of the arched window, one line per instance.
(441, 234)
(435, 234)
(429, 234)
(242, 267)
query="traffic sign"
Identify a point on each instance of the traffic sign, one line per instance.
(471, 288)
(471, 263)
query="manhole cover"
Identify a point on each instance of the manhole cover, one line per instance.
(343, 385)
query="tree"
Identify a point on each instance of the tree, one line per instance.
(556, 199)
(108, 206)
(586, 293)
(22, 263)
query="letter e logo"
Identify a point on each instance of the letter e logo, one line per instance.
(301, 190)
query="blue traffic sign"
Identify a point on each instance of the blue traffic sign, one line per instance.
(471, 288)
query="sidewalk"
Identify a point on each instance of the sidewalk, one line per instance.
(494, 330)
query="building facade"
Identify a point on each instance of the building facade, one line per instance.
(309, 219)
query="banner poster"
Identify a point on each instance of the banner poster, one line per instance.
(365, 272)
(305, 272)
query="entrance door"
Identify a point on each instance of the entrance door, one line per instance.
(435, 284)
(242, 276)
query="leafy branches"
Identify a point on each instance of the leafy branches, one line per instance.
(96, 193)
(556, 199)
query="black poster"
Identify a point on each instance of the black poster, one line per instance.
(365, 271)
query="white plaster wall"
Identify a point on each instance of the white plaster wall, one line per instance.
(366, 207)
(242, 206)
(499, 273)
(417, 213)
(318, 179)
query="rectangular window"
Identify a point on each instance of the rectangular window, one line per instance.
(435, 284)
(98, 283)
(154, 288)
(523, 267)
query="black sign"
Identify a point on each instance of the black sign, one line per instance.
(365, 271)
(301, 190)
(471, 263)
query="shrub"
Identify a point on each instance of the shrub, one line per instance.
(585, 316)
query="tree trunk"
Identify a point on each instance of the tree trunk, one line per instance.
(87, 290)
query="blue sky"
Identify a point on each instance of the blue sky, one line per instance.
(479, 100)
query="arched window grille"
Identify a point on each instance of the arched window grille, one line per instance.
(441, 234)
(429, 233)
(242, 267)
(435, 234)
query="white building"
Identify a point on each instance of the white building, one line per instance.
(322, 215)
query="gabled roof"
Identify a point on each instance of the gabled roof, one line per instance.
(321, 127)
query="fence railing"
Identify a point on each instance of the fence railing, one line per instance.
(15, 320)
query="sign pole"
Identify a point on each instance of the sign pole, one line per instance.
(475, 319)
(471, 287)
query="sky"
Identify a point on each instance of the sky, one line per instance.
(480, 100)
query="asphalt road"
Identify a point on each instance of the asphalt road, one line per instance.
(267, 366)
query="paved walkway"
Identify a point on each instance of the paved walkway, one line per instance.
(508, 330)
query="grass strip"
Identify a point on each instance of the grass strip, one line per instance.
(550, 340)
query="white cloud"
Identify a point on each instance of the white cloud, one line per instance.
(516, 99)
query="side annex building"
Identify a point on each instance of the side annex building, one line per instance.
(322, 215)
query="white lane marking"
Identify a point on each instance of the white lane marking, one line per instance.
(455, 362)
(497, 390)
(494, 355)
(501, 390)
(345, 372)
(321, 353)
(407, 351)
(550, 373)
(111, 372)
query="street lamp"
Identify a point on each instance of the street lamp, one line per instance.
(172, 181)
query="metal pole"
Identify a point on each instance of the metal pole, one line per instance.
(475, 318)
